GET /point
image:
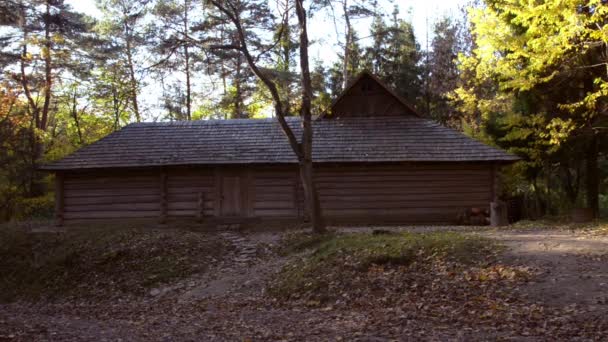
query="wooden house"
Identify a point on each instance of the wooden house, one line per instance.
(375, 158)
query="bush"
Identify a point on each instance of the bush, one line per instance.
(42, 207)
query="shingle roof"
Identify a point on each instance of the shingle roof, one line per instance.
(248, 141)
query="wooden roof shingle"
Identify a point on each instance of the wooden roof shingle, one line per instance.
(255, 141)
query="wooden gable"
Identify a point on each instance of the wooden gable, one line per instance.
(368, 96)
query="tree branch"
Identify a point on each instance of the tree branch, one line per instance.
(278, 104)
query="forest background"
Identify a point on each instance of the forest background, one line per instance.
(529, 77)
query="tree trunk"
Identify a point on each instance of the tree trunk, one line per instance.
(133, 87)
(48, 78)
(347, 45)
(593, 176)
(303, 150)
(187, 61)
(306, 165)
(570, 183)
(311, 197)
(76, 119)
(238, 111)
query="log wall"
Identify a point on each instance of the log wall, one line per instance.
(418, 193)
(274, 192)
(408, 193)
(183, 189)
(105, 196)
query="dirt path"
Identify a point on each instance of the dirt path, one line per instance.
(572, 267)
(253, 263)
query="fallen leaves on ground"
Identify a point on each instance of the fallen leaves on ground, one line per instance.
(429, 297)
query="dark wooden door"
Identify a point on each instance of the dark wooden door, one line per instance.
(231, 195)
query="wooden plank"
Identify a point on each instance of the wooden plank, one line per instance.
(394, 212)
(114, 207)
(117, 184)
(274, 189)
(495, 173)
(405, 186)
(59, 199)
(111, 214)
(218, 191)
(111, 199)
(190, 205)
(401, 205)
(402, 179)
(396, 191)
(200, 212)
(274, 213)
(274, 205)
(349, 197)
(112, 192)
(99, 179)
(275, 196)
(249, 193)
(163, 196)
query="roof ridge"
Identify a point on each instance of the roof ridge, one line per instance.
(209, 121)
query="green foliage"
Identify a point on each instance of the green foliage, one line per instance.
(394, 56)
(535, 83)
(41, 207)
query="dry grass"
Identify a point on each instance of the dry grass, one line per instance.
(99, 261)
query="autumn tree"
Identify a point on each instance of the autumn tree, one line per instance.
(46, 40)
(540, 76)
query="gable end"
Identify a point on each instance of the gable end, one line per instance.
(368, 96)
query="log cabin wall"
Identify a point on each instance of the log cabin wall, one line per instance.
(275, 192)
(111, 195)
(184, 186)
(408, 193)
(405, 193)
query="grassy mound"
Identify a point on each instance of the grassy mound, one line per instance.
(361, 269)
(98, 262)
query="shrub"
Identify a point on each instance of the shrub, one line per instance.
(41, 207)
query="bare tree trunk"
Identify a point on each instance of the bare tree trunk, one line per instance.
(133, 87)
(187, 61)
(286, 49)
(116, 107)
(48, 78)
(238, 111)
(570, 183)
(76, 119)
(306, 164)
(302, 151)
(593, 176)
(347, 45)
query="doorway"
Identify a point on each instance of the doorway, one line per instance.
(230, 202)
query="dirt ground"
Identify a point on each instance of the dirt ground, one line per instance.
(572, 267)
(229, 302)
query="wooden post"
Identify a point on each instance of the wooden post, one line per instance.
(163, 196)
(200, 213)
(298, 201)
(217, 203)
(59, 199)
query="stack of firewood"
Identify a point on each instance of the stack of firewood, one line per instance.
(474, 217)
